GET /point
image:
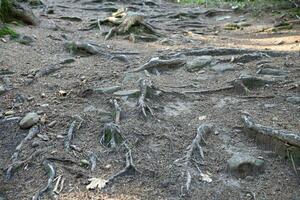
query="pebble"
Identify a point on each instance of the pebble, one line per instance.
(29, 120)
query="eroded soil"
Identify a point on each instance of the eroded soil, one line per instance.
(157, 142)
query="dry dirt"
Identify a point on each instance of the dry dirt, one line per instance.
(158, 141)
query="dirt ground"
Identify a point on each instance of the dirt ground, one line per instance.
(157, 142)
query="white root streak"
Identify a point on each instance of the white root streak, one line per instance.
(49, 168)
(202, 130)
(70, 136)
(118, 111)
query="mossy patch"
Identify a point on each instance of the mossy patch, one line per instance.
(5, 10)
(5, 30)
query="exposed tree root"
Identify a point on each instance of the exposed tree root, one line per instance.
(129, 168)
(69, 136)
(162, 64)
(93, 160)
(49, 168)
(285, 136)
(142, 105)
(111, 135)
(33, 131)
(228, 51)
(75, 47)
(127, 23)
(208, 91)
(202, 131)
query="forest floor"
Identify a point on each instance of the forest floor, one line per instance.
(63, 87)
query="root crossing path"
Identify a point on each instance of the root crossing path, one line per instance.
(149, 100)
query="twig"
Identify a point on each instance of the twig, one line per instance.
(49, 168)
(69, 137)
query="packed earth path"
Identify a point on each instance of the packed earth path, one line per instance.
(150, 100)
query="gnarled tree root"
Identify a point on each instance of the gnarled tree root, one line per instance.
(49, 168)
(285, 143)
(202, 131)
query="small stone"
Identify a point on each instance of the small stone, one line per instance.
(29, 120)
(25, 39)
(43, 95)
(10, 112)
(35, 143)
(129, 93)
(52, 124)
(199, 63)
(293, 100)
(107, 90)
(84, 163)
(243, 165)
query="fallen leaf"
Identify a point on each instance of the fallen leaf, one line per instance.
(96, 182)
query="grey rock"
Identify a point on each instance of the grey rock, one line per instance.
(293, 99)
(107, 90)
(199, 63)
(129, 93)
(25, 39)
(220, 68)
(272, 71)
(243, 165)
(29, 120)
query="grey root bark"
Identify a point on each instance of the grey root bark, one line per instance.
(33, 131)
(142, 100)
(285, 136)
(227, 51)
(202, 131)
(69, 136)
(12, 10)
